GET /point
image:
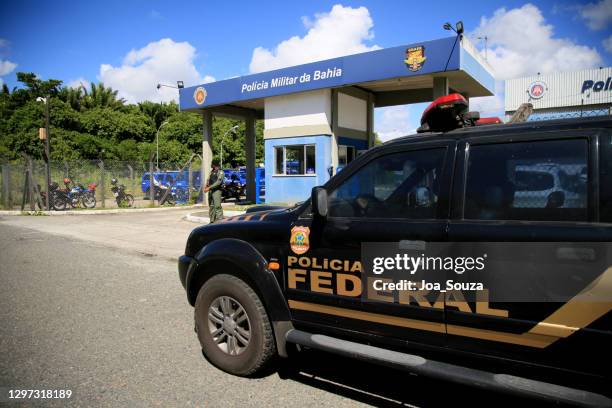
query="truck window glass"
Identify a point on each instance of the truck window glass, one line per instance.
(399, 185)
(536, 181)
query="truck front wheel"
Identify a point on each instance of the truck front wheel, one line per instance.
(233, 326)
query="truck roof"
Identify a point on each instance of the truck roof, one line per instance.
(486, 130)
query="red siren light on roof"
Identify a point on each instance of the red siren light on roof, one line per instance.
(447, 113)
(488, 121)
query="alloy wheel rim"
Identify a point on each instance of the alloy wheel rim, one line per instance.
(229, 325)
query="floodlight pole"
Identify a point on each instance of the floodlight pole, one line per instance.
(47, 150)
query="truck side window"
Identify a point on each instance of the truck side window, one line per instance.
(535, 181)
(605, 179)
(398, 185)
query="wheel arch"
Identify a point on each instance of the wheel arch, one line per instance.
(239, 258)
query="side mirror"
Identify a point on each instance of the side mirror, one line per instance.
(318, 200)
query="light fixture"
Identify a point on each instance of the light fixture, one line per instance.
(448, 27)
(459, 27)
(180, 84)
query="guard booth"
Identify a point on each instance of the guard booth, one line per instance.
(320, 116)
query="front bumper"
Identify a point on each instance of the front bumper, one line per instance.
(183, 266)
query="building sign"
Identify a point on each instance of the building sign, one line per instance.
(537, 89)
(597, 86)
(418, 59)
(415, 58)
(287, 81)
(560, 90)
(199, 96)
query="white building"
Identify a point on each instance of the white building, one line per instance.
(565, 94)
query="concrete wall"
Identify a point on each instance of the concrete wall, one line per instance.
(352, 112)
(290, 189)
(306, 113)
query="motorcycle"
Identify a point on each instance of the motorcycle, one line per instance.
(233, 189)
(159, 191)
(88, 197)
(122, 198)
(58, 198)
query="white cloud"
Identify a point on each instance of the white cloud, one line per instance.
(607, 43)
(163, 61)
(490, 105)
(78, 83)
(342, 31)
(522, 43)
(6, 67)
(597, 15)
(392, 122)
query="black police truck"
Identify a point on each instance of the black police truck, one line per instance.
(276, 277)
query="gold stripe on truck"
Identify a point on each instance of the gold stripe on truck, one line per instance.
(580, 311)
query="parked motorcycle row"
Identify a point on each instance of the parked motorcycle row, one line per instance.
(74, 196)
(170, 188)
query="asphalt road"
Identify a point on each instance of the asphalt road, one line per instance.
(113, 325)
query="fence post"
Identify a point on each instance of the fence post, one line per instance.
(30, 177)
(189, 183)
(102, 186)
(132, 179)
(151, 185)
(6, 189)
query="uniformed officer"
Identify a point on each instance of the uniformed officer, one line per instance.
(213, 188)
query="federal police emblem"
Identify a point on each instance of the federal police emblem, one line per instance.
(299, 239)
(199, 95)
(415, 58)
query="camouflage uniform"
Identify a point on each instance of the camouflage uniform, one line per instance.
(215, 182)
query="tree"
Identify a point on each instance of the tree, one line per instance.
(159, 112)
(100, 96)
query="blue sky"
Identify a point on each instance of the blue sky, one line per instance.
(215, 40)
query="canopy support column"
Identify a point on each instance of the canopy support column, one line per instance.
(207, 139)
(250, 158)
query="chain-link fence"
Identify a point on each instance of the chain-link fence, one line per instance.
(587, 113)
(23, 181)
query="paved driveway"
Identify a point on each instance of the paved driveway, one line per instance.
(94, 304)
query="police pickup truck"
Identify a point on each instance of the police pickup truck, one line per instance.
(274, 278)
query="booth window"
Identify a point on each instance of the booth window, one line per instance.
(346, 154)
(295, 160)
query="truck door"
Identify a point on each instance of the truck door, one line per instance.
(501, 200)
(398, 194)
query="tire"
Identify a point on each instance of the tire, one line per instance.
(233, 356)
(89, 200)
(73, 201)
(58, 202)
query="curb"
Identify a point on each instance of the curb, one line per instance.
(100, 212)
(205, 220)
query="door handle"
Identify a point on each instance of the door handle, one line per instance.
(412, 245)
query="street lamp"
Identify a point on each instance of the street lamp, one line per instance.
(157, 141)
(46, 101)
(458, 29)
(232, 130)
